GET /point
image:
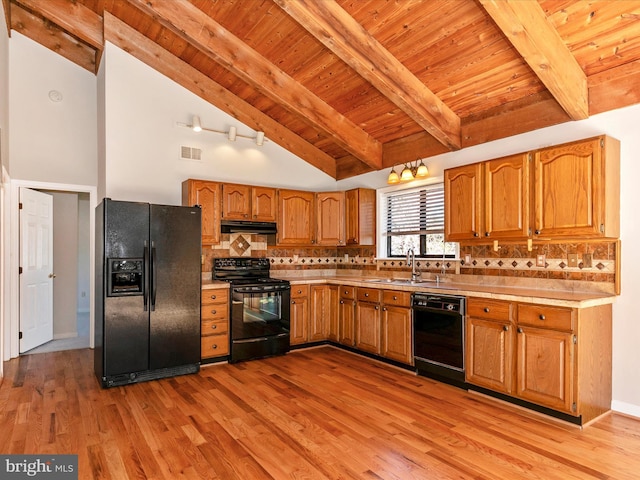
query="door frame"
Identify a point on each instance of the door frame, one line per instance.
(12, 327)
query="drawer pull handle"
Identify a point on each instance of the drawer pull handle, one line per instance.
(395, 298)
(486, 309)
(213, 347)
(299, 291)
(366, 294)
(213, 327)
(213, 297)
(542, 317)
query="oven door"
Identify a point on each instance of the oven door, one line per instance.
(259, 311)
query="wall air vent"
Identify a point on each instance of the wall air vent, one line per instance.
(190, 153)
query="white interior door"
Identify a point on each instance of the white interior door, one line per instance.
(36, 263)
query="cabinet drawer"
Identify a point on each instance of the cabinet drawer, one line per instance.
(489, 309)
(215, 311)
(218, 295)
(213, 327)
(369, 295)
(401, 299)
(214, 346)
(299, 291)
(348, 292)
(543, 316)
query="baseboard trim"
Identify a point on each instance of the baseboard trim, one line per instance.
(60, 336)
(626, 408)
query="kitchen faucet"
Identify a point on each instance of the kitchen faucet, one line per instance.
(411, 262)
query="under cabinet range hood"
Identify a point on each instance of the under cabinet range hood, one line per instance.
(240, 226)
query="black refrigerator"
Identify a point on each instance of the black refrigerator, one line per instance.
(148, 284)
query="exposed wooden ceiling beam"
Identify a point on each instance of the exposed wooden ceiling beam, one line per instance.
(345, 37)
(51, 36)
(149, 52)
(78, 20)
(223, 47)
(525, 25)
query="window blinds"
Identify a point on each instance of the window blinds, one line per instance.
(416, 212)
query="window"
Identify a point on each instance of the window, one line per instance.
(415, 219)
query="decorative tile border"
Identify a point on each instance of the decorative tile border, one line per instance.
(529, 264)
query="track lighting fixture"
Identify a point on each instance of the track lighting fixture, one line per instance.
(231, 134)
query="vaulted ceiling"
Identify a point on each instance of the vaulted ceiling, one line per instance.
(353, 86)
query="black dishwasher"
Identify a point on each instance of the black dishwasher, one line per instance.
(438, 336)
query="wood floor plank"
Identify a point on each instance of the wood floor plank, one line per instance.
(320, 413)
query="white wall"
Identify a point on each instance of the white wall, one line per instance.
(143, 141)
(65, 264)
(51, 141)
(623, 125)
(4, 151)
(84, 252)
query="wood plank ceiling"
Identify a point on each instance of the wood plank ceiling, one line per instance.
(353, 86)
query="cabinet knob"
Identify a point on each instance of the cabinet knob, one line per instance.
(299, 291)
(384, 309)
(366, 294)
(376, 307)
(487, 234)
(213, 312)
(342, 302)
(214, 346)
(395, 298)
(542, 317)
(213, 297)
(505, 328)
(476, 234)
(213, 327)
(486, 309)
(293, 302)
(519, 330)
(537, 232)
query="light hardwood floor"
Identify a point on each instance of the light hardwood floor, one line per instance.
(312, 414)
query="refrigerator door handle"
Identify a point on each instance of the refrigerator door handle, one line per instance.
(153, 277)
(146, 276)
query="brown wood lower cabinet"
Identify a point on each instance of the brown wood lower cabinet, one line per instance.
(555, 357)
(368, 320)
(299, 314)
(397, 331)
(214, 327)
(347, 316)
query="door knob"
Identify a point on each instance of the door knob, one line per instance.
(52, 275)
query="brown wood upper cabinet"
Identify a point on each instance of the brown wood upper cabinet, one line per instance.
(296, 217)
(246, 202)
(577, 189)
(570, 190)
(330, 218)
(488, 200)
(360, 223)
(206, 195)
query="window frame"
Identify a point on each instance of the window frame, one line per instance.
(384, 245)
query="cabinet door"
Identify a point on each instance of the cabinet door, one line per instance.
(319, 315)
(207, 196)
(360, 216)
(397, 334)
(295, 217)
(489, 355)
(506, 197)
(299, 317)
(346, 316)
(368, 319)
(330, 218)
(263, 204)
(463, 202)
(545, 367)
(568, 190)
(236, 201)
(333, 311)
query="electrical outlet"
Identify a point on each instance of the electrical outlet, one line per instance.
(541, 260)
(467, 259)
(587, 260)
(572, 259)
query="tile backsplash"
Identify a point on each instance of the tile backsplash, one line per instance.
(544, 261)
